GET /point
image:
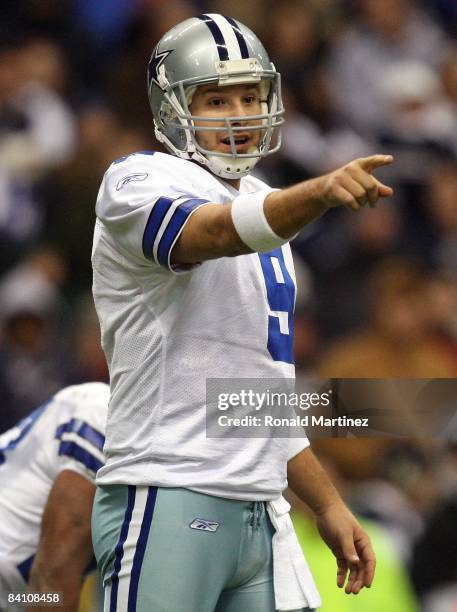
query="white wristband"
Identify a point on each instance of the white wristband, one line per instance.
(252, 225)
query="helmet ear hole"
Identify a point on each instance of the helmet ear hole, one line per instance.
(165, 115)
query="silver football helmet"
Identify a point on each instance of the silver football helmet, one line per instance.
(213, 49)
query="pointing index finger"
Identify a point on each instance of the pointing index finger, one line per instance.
(375, 161)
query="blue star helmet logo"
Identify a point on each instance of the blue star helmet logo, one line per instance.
(154, 65)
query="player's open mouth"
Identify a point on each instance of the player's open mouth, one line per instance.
(241, 141)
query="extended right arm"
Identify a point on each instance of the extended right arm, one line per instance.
(210, 232)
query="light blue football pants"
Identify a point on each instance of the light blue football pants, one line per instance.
(175, 550)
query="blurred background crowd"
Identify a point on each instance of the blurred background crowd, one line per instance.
(378, 289)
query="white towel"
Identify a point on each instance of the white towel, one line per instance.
(294, 585)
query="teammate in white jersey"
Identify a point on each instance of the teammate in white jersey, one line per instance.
(194, 280)
(48, 464)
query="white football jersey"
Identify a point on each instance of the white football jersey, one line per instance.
(65, 433)
(166, 330)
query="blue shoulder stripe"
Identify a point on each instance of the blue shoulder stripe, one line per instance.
(71, 449)
(174, 227)
(83, 430)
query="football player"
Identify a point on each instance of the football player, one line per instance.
(193, 280)
(48, 464)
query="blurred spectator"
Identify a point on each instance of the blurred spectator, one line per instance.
(399, 493)
(162, 15)
(47, 17)
(421, 122)
(341, 250)
(421, 132)
(99, 31)
(385, 33)
(442, 206)
(105, 21)
(297, 23)
(398, 341)
(320, 141)
(34, 283)
(434, 568)
(36, 134)
(255, 13)
(441, 294)
(43, 134)
(434, 562)
(127, 72)
(31, 365)
(44, 62)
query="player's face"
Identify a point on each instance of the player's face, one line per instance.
(231, 101)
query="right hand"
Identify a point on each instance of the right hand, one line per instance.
(354, 185)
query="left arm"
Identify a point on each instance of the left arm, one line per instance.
(65, 546)
(337, 526)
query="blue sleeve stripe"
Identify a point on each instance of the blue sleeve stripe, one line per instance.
(84, 430)
(71, 449)
(174, 227)
(158, 212)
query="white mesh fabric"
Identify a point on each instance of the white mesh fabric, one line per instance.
(164, 334)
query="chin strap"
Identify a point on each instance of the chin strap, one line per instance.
(224, 166)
